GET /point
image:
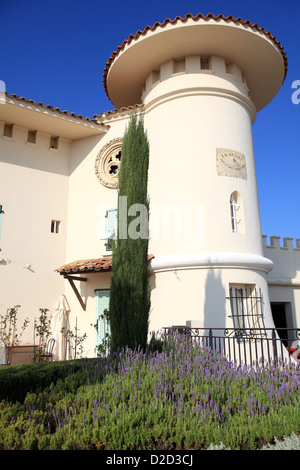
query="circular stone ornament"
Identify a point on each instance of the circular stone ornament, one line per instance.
(107, 164)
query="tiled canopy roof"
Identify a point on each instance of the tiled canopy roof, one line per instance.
(156, 25)
(86, 266)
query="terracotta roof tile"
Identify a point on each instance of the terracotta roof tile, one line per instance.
(51, 108)
(86, 266)
(117, 111)
(187, 17)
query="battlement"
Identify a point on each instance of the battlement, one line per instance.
(282, 243)
(196, 64)
(285, 254)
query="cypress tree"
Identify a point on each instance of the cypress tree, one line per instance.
(130, 291)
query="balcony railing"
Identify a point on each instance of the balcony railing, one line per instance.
(246, 345)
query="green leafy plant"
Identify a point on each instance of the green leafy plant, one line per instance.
(74, 340)
(9, 335)
(43, 332)
(156, 342)
(103, 348)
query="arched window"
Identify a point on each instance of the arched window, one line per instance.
(236, 213)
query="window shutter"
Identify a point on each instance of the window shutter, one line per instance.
(111, 227)
(111, 223)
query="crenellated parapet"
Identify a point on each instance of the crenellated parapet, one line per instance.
(285, 254)
(196, 64)
(197, 75)
(282, 243)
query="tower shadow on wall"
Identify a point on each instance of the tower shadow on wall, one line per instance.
(215, 308)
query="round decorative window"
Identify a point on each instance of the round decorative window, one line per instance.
(107, 163)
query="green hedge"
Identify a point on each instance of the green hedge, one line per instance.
(16, 381)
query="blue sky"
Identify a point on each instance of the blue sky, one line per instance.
(54, 52)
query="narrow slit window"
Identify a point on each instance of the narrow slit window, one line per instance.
(204, 64)
(237, 213)
(54, 143)
(55, 226)
(31, 137)
(234, 208)
(8, 130)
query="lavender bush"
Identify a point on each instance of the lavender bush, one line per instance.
(185, 397)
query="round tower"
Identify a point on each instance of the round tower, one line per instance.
(201, 81)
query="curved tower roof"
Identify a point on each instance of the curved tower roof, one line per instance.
(258, 53)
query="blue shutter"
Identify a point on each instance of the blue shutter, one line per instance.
(111, 227)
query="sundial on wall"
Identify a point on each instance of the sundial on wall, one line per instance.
(231, 163)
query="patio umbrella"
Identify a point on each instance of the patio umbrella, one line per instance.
(2, 353)
(60, 320)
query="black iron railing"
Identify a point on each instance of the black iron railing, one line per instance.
(246, 345)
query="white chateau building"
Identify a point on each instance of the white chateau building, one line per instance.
(199, 82)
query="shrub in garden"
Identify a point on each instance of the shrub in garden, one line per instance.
(42, 329)
(184, 397)
(9, 334)
(16, 381)
(130, 291)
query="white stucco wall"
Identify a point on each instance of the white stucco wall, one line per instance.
(284, 279)
(188, 116)
(187, 119)
(33, 191)
(88, 201)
